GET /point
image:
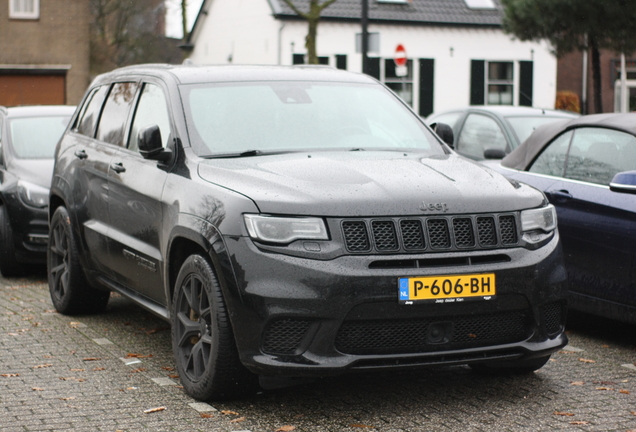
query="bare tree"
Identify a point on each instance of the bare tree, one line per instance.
(312, 17)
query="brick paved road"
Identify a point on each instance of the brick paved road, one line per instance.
(62, 373)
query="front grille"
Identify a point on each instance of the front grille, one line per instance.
(434, 233)
(283, 337)
(413, 335)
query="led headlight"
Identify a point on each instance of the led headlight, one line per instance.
(543, 218)
(33, 195)
(272, 229)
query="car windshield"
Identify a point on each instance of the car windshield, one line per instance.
(524, 126)
(255, 118)
(36, 137)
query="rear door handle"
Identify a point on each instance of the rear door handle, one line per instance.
(81, 154)
(118, 167)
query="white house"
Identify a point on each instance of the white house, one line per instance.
(457, 52)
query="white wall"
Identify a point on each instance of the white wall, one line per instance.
(246, 29)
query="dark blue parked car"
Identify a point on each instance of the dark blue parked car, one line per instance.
(587, 168)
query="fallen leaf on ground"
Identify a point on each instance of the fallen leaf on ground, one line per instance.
(68, 398)
(138, 370)
(567, 414)
(42, 366)
(604, 388)
(37, 389)
(154, 410)
(579, 422)
(237, 420)
(173, 376)
(577, 383)
(228, 412)
(98, 369)
(587, 360)
(287, 428)
(361, 426)
(604, 346)
(168, 368)
(72, 379)
(134, 355)
(91, 359)
(78, 370)
(157, 330)
(10, 375)
(624, 391)
(206, 415)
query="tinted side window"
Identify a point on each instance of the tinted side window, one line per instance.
(552, 160)
(113, 121)
(478, 134)
(151, 110)
(597, 154)
(87, 119)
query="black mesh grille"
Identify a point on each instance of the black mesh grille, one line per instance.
(412, 234)
(438, 233)
(463, 231)
(384, 235)
(486, 230)
(508, 230)
(553, 317)
(411, 336)
(356, 238)
(284, 336)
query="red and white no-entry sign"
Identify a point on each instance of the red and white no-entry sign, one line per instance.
(400, 55)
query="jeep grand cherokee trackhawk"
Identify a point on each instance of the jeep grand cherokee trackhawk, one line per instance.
(297, 222)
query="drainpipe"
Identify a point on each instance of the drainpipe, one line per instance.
(584, 84)
(280, 43)
(624, 101)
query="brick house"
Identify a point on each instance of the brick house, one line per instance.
(44, 51)
(570, 78)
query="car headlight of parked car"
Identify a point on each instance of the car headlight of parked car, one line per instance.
(33, 195)
(283, 230)
(538, 223)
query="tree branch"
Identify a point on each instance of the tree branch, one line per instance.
(295, 9)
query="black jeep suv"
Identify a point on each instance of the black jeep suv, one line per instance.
(297, 222)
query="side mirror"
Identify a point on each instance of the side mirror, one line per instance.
(151, 145)
(624, 182)
(445, 132)
(494, 154)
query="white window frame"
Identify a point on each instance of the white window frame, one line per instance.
(512, 83)
(16, 13)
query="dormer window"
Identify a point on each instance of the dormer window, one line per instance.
(24, 9)
(480, 4)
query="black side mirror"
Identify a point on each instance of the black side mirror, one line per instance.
(494, 154)
(445, 132)
(624, 182)
(151, 145)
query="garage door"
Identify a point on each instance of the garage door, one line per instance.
(32, 90)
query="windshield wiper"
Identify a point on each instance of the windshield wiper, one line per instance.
(245, 153)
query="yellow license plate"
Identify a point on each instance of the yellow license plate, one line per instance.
(447, 289)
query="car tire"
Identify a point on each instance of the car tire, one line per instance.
(70, 292)
(9, 266)
(514, 367)
(202, 338)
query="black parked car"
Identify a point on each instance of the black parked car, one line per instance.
(28, 136)
(294, 222)
(587, 168)
(491, 132)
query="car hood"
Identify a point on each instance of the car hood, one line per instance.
(36, 171)
(368, 183)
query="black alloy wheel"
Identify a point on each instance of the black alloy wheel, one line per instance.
(70, 292)
(203, 342)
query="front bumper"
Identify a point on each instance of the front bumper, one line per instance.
(302, 317)
(30, 230)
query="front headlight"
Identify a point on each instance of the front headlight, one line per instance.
(544, 218)
(538, 225)
(33, 195)
(273, 229)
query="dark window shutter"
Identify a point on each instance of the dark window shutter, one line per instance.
(477, 82)
(341, 61)
(427, 69)
(298, 59)
(374, 67)
(525, 83)
(323, 60)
